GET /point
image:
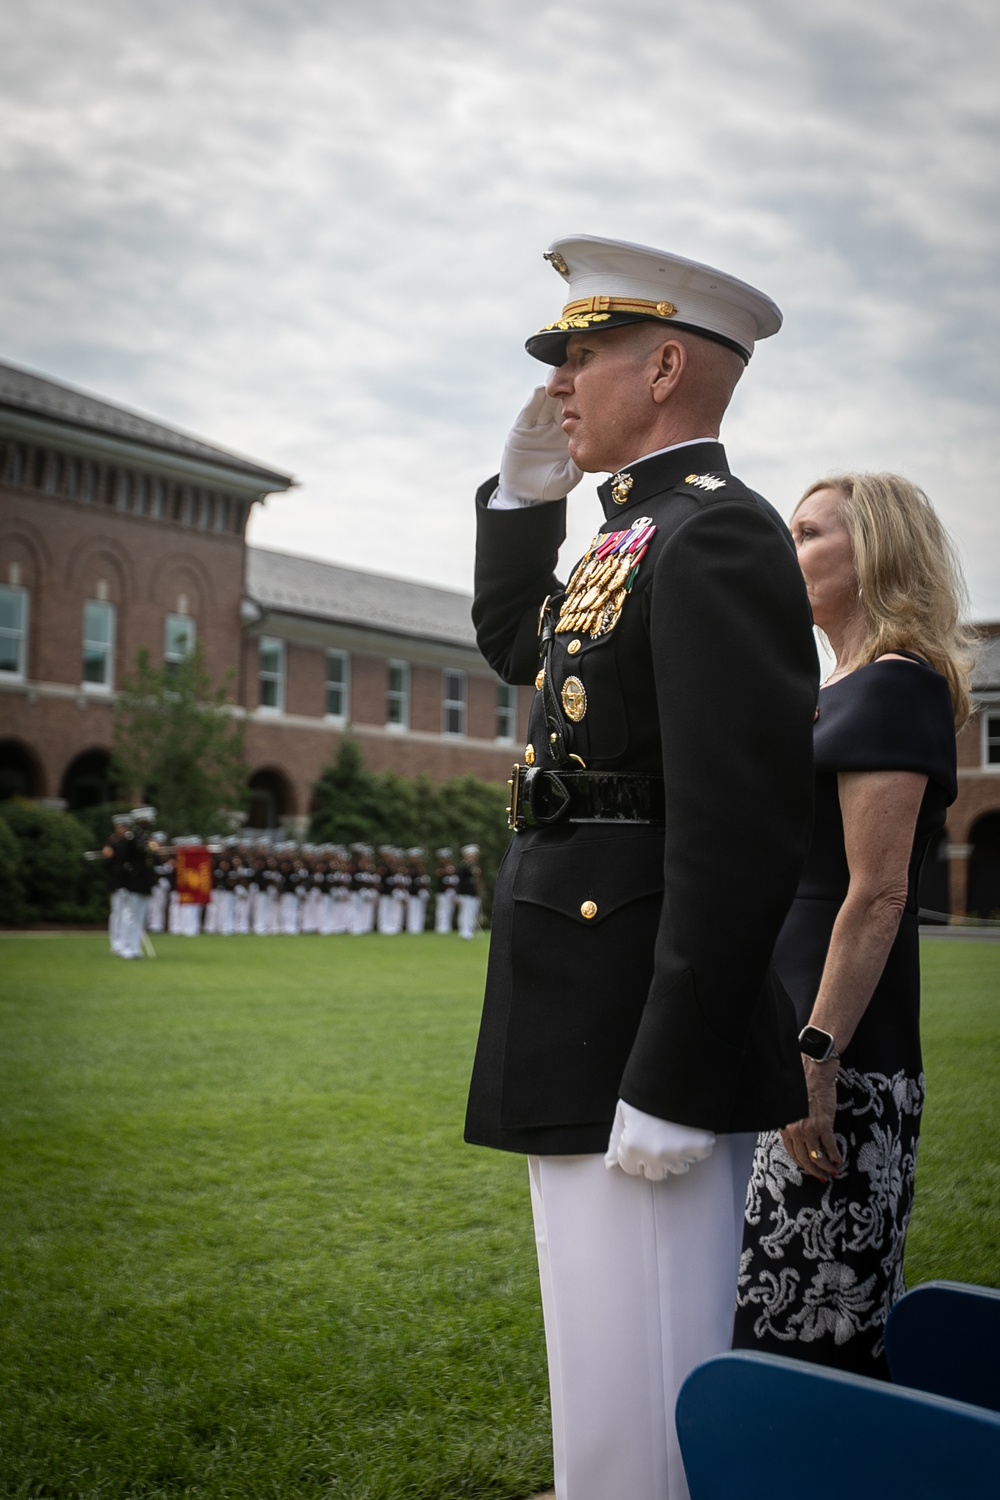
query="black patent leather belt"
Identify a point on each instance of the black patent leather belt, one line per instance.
(539, 797)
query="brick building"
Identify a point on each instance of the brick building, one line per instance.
(117, 533)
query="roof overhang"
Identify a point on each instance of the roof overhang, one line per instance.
(87, 442)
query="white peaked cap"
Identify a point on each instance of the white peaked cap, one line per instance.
(613, 282)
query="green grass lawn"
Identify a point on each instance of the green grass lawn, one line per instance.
(245, 1252)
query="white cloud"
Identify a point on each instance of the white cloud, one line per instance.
(313, 232)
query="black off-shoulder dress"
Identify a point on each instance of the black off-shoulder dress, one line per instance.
(822, 1264)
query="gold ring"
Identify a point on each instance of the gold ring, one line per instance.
(815, 1155)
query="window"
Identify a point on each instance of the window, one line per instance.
(271, 673)
(337, 674)
(397, 696)
(98, 644)
(178, 640)
(506, 712)
(991, 739)
(13, 630)
(453, 704)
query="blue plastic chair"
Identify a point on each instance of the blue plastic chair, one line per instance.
(760, 1427)
(944, 1337)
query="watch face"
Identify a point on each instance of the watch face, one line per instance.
(815, 1043)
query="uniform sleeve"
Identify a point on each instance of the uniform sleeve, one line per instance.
(736, 679)
(889, 716)
(516, 556)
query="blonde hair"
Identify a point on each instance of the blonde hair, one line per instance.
(911, 590)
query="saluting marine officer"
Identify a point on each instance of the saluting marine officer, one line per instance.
(634, 1035)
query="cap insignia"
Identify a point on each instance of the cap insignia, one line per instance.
(620, 486)
(574, 699)
(579, 323)
(705, 482)
(557, 262)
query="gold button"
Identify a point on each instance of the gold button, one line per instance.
(588, 910)
(574, 647)
(529, 755)
(539, 681)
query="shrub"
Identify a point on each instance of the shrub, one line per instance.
(57, 884)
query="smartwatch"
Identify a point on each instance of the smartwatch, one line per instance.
(817, 1044)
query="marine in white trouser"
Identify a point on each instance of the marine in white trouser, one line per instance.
(468, 891)
(630, 1053)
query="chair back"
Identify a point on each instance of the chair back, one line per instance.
(760, 1427)
(944, 1337)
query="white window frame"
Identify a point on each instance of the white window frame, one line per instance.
(268, 675)
(991, 713)
(18, 633)
(452, 705)
(506, 713)
(107, 648)
(173, 658)
(341, 686)
(398, 697)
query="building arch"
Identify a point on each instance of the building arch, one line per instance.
(984, 866)
(180, 573)
(24, 545)
(21, 771)
(103, 553)
(272, 797)
(88, 781)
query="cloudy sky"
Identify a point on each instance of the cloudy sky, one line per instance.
(312, 231)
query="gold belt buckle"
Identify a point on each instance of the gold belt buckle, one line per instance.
(515, 818)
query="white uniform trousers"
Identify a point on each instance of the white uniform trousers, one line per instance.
(116, 920)
(468, 916)
(444, 911)
(638, 1286)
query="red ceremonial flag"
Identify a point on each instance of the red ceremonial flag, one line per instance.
(194, 875)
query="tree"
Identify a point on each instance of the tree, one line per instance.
(178, 745)
(352, 805)
(345, 806)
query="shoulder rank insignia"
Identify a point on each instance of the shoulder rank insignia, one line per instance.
(602, 581)
(705, 482)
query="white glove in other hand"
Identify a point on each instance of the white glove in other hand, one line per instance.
(645, 1146)
(536, 464)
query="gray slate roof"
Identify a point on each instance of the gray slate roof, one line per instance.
(22, 390)
(302, 586)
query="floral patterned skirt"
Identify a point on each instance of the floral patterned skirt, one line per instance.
(823, 1264)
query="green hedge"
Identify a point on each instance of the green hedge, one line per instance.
(43, 875)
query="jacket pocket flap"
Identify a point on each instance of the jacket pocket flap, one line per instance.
(590, 880)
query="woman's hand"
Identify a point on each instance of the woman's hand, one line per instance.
(811, 1142)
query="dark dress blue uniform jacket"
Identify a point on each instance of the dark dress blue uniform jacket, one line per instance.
(665, 995)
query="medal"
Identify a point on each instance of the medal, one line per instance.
(602, 580)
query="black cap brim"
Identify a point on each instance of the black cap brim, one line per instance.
(549, 344)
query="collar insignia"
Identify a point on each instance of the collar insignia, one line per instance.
(620, 486)
(705, 482)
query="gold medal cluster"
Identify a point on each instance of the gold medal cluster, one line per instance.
(596, 594)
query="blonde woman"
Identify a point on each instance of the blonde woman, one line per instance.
(831, 1194)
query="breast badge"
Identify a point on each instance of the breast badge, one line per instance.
(574, 699)
(596, 593)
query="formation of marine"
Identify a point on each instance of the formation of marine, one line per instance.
(267, 889)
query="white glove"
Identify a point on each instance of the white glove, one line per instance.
(536, 465)
(646, 1146)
